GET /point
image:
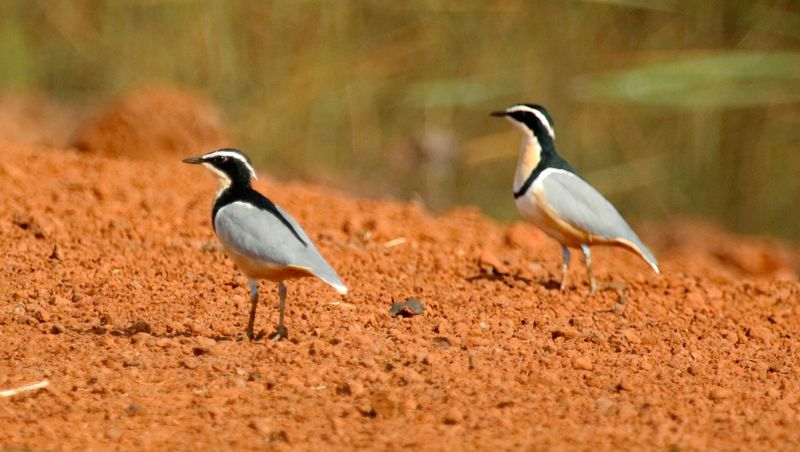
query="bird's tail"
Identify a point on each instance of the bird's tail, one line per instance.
(634, 244)
(645, 254)
(649, 258)
(338, 285)
(328, 275)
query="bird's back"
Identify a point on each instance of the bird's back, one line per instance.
(583, 207)
(272, 237)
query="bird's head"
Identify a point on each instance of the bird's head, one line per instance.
(229, 165)
(532, 119)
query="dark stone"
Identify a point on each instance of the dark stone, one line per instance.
(408, 308)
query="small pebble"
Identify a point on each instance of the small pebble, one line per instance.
(631, 336)
(261, 425)
(42, 315)
(409, 405)
(759, 333)
(140, 338)
(56, 253)
(582, 363)
(386, 405)
(594, 382)
(453, 416)
(442, 341)
(718, 393)
(603, 403)
(26, 319)
(695, 299)
(625, 384)
(491, 265)
(140, 326)
(356, 388)
(565, 332)
(60, 301)
(773, 393)
(408, 308)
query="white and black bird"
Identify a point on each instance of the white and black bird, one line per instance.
(551, 195)
(262, 239)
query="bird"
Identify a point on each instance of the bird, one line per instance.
(263, 240)
(549, 193)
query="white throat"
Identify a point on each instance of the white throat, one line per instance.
(223, 179)
(530, 154)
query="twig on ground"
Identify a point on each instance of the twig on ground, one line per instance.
(25, 388)
(395, 242)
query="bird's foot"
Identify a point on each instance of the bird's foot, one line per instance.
(565, 271)
(281, 333)
(255, 336)
(592, 286)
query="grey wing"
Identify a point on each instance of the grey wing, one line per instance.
(260, 234)
(579, 204)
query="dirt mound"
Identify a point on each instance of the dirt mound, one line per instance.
(726, 255)
(113, 288)
(37, 119)
(155, 121)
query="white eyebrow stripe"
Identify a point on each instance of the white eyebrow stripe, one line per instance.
(538, 114)
(234, 155)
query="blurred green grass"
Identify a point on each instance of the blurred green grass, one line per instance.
(671, 107)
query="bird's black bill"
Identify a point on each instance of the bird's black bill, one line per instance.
(499, 114)
(193, 160)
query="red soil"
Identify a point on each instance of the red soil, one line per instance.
(115, 291)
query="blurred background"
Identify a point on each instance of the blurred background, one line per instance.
(670, 107)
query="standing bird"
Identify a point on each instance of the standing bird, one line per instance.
(264, 241)
(551, 195)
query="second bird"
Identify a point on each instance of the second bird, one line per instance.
(550, 194)
(262, 239)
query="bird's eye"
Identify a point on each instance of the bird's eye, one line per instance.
(222, 159)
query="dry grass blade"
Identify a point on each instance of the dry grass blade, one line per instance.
(25, 388)
(395, 242)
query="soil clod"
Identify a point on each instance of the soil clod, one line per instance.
(139, 326)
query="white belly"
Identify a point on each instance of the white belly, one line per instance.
(529, 208)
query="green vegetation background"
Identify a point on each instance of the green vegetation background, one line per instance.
(671, 107)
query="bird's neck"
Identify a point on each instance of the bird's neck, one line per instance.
(226, 183)
(229, 191)
(530, 155)
(535, 154)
